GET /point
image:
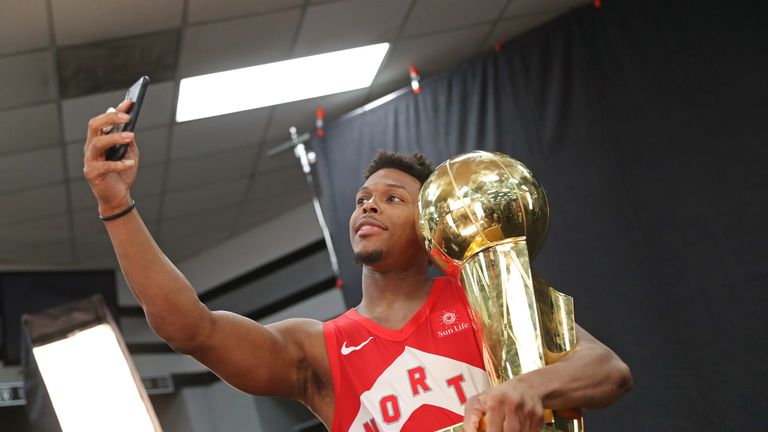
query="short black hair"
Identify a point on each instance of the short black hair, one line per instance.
(415, 164)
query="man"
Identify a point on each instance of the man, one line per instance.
(307, 360)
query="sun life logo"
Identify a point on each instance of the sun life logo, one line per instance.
(451, 321)
(449, 317)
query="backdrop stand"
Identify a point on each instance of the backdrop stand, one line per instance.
(306, 160)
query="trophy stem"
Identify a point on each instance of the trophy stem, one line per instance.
(501, 296)
(521, 324)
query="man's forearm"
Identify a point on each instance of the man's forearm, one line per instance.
(170, 303)
(592, 376)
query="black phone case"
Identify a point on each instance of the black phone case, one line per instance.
(117, 152)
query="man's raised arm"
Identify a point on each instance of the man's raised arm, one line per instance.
(230, 345)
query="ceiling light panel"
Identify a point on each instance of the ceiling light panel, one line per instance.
(277, 83)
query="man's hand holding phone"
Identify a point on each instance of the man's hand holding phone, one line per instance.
(110, 181)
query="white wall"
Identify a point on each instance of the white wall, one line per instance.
(213, 408)
(249, 250)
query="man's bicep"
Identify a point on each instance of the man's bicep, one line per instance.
(251, 357)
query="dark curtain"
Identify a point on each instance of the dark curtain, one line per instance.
(646, 123)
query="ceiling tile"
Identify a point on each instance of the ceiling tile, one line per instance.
(51, 253)
(156, 110)
(149, 208)
(33, 204)
(294, 114)
(78, 111)
(27, 79)
(431, 54)
(36, 232)
(81, 196)
(528, 7)
(23, 25)
(291, 181)
(238, 43)
(190, 225)
(74, 155)
(429, 16)
(213, 168)
(206, 10)
(193, 243)
(31, 169)
(185, 236)
(204, 198)
(301, 114)
(96, 252)
(22, 129)
(349, 24)
(80, 21)
(220, 133)
(88, 226)
(283, 160)
(153, 145)
(149, 181)
(509, 28)
(115, 64)
(256, 212)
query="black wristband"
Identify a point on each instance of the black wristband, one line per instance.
(120, 214)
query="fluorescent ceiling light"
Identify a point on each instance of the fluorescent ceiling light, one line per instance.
(91, 384)
(280, 82)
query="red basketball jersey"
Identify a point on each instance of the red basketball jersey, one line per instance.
(417, 378)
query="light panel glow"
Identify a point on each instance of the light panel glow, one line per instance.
(275, 83)
(90, 383)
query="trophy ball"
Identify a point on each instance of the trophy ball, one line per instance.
(477, 199)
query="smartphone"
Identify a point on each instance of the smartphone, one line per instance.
(136, 95)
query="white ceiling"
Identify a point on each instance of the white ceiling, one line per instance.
(204, 181)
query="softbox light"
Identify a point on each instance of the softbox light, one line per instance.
(78, 372)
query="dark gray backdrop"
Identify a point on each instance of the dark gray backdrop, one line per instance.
(646, 123)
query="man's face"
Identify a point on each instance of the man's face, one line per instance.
(383, 225)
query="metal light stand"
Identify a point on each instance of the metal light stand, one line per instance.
(307, 159)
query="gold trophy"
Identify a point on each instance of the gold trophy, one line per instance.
(483, 216)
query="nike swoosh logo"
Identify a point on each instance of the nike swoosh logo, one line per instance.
(346, 350)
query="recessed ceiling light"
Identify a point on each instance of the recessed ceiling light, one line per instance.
(275, 83)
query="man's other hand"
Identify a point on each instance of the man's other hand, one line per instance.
(514, 406)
